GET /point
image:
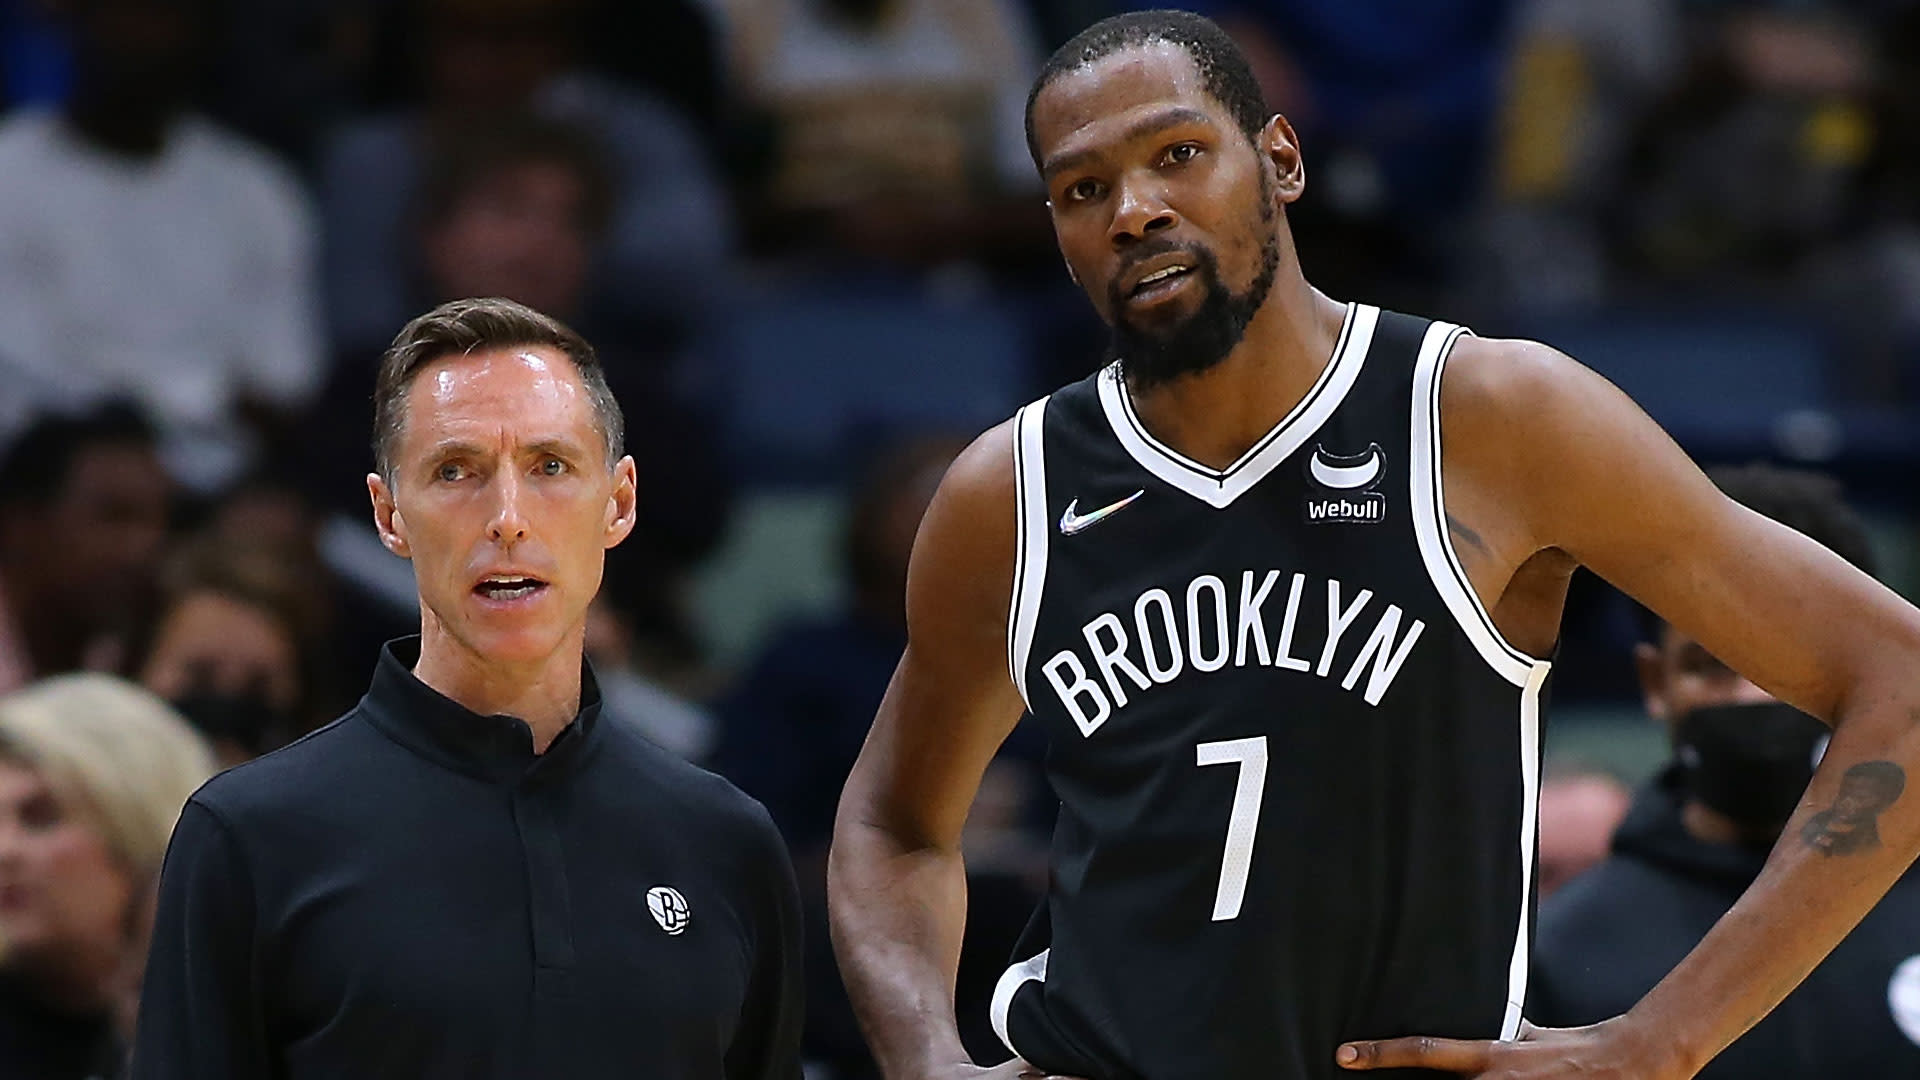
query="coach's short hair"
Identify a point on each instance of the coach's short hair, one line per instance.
(1223, 67)
(460, 327)
(112, 753)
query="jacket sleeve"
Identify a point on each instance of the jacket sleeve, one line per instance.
(200, 1005)
(766, 1044)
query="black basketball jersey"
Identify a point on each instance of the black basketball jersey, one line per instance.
(1296, 763)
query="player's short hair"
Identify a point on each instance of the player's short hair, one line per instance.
(39, 461)
(481, 325)
(1805, 501)
(467, 157)
(113, 754)
(1223, 67)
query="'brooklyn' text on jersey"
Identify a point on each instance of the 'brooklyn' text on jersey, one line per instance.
(1167, 637)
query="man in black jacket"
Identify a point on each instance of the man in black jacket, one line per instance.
(473, 874)
(1699, 834)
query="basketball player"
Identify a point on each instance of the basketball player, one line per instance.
(1281, 581)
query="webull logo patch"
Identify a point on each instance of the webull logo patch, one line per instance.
(1349, 481)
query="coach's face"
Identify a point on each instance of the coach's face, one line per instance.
(503, 498)
(1148, 175)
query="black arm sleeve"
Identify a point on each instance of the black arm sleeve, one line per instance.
(199, 1006)
(766, 1045)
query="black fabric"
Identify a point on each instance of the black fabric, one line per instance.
(1385, 884)
(1614, 932)
(412, 892)
(38, 1042)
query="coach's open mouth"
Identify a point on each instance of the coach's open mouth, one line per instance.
(508, 586)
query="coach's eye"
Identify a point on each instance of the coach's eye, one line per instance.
(553, 467)
(449, 472)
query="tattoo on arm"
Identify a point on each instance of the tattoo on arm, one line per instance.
(1461, 532)
(1850, 825)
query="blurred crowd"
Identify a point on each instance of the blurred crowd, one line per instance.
(807, 239)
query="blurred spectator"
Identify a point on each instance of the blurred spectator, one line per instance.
(795, 721)
(1580, 78)
(1394, 105)
(670, 49)
(93, 774)
(898, 125)
(670, 722)
(1752, 161)
(235, 647)
(518, 208)
(84, 509)
(1579, 809)
(794, 724)
(144, 252)
(1721, 148)
(1698, 836)
(482, 61)
(284, 71)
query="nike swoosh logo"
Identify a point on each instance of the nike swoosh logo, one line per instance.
(1346, 477)
(1071, 522)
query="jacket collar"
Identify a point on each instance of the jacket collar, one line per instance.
(498, 748)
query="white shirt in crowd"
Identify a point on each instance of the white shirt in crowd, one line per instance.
(184, 282)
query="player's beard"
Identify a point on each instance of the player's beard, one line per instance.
(1150, 357)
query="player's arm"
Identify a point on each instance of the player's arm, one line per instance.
(1581, 470)
(895, 885)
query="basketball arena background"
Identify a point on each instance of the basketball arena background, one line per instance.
(809, 243)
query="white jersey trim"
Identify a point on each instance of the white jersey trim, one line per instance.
(1011, 980)
(1450, 580)
(1429, 515)
(1218, 488)
(1529, 822)
(1030, 544)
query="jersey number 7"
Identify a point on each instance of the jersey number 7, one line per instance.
(1243, 822)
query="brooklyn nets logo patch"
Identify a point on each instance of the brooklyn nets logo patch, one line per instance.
(669, 908)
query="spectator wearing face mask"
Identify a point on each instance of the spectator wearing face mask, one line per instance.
(1698, 835)
(233, 647)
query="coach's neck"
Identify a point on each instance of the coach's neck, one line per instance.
(1215, 416)
(543, 694)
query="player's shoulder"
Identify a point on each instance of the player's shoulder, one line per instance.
(984, 471)
(1507, 375)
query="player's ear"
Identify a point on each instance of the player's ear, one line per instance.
(623, 502)
(386, 517)
(1653, 681)
(1281, 146)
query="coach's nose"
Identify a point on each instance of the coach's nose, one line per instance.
(1139, 209)
(508, 523)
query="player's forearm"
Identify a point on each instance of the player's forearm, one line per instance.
(1837, 857)
(898, 914)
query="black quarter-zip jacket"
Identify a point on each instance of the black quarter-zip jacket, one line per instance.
(410, 892)
(1615, 931)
